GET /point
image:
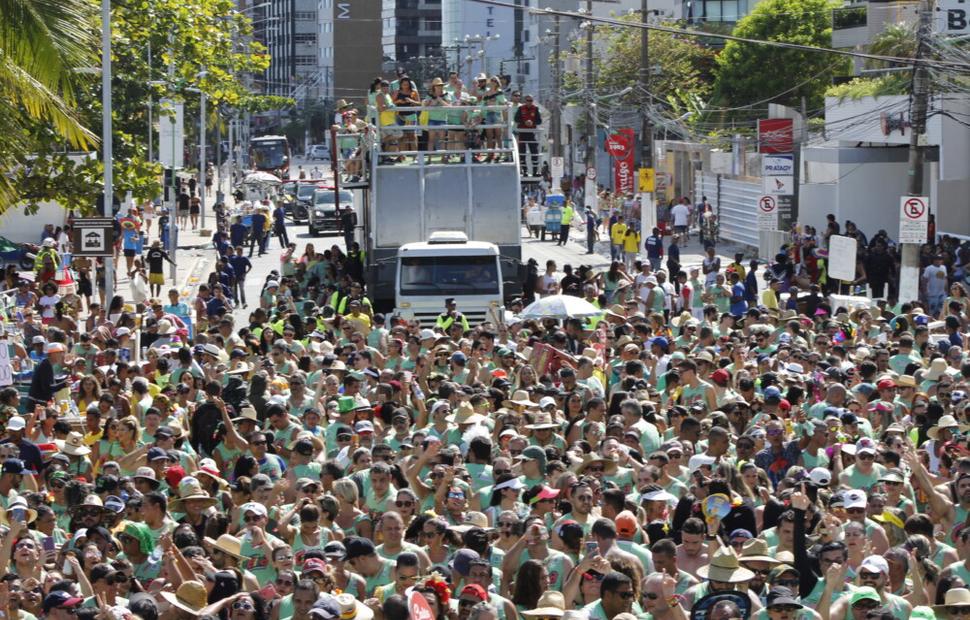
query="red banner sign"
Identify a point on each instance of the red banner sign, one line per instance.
(620, 146)
(776, 135)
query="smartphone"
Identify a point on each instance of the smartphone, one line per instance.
(407, 376)
(592, 547)
(19, 514)
(48, 543)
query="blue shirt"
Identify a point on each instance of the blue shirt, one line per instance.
(738, 307)
(654, 246)
(238, 233)
(241, 265)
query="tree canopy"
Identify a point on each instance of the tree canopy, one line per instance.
(749, 72)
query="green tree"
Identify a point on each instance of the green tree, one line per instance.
(750, 72)
(208, 46)
(43, 45)
(681, 69)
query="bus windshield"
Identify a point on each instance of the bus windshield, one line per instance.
(269, 155)
(449, 275)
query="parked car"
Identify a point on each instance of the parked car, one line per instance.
(318, 151)
(324, 216)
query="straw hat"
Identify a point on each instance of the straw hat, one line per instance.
(247, 413)
(465, 415)
(684, 316)
(15, 503)
(551, 603)
(437, 82)
(228, 544)
(73, 445)
(947, 421)
(955, 597)
(756, 550)
(937, 369)
(543, 420)
(609, 469)
(342, 104)
(190, 597)
(195, 494)
(520, 398)
(724, 567)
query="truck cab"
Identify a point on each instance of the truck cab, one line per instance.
(448, 265)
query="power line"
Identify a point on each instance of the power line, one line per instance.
(909, 62)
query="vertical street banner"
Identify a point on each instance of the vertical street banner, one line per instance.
(620, 146)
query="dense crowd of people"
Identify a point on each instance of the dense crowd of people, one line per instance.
(706, 445)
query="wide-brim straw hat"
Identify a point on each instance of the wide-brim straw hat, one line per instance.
(725, 567)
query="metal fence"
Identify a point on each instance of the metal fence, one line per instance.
(736, 203)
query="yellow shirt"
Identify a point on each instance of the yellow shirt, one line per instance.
(617, 233)
(769, 299)
(631, 243)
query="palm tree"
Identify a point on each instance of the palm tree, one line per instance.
(43, 44)
(898, 40)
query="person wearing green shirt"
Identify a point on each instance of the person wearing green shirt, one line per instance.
(362, 557)
(256, 544)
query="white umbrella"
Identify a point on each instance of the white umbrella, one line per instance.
(254, 178)
(559, 307)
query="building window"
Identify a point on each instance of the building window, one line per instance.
(328, 26)
(304, 61)
(432, 24)
(305, 16)
(306, 38)
(723, 10)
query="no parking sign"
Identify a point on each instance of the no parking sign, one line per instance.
(914, 219)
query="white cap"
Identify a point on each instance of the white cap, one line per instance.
(855, 499)
(254, 507)
(875, 564)
(122, 331)
(865, 445)
(272, 284)
(547, 401)
(820, 477)
(364, 426)
(16, 423)
(38, 340)
(699, 460)
(657, 496)
(427, 334)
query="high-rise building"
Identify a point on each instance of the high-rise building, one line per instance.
(410, 29)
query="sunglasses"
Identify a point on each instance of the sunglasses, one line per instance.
(404, 504)
(261, 442)
(626, 595)
(866, 457)
(243, 606)
(593, 576)
(284, 582)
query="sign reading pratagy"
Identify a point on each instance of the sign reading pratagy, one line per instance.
(778, 165)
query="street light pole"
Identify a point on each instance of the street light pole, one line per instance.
(590, 195)
(646, 141)
(202, 169)
(106, 129)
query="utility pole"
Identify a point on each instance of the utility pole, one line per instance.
(590, 194)
(909, 275)
(107, 208)
(151, 128)
(646, 131)
(202, 171)
(557, 87)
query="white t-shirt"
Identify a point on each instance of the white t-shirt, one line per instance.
(680, 213)
(935, 280)
(48, 302)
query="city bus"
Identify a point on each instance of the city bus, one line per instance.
(271, 154)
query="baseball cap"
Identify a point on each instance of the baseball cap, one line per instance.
(875, 564)
(626, 523)
(855, 499)
(254, 507)
(326, 608)
(334, 550)
(473, 590)
(16, 423)
(13, 466)
(547, 401)
(461, 562)
(660, 341)
(820, 477)
(865, 445)
(314, 564)
(772, 393)
(157, 454)
(700, 460)
(60, 598)
(864, 593)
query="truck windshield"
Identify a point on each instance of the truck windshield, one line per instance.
(449, 275)
(305, 192)
(324, 199)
